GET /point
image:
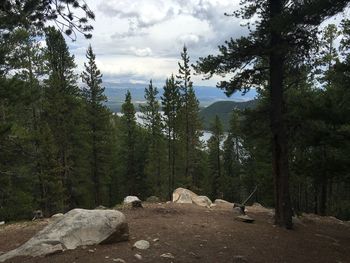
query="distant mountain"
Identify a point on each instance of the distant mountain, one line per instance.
(223, 109)
(206, 95)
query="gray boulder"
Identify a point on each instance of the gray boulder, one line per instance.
(78, 227)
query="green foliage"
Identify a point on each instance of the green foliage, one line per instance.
(36, 14)
(171, 104)
(131, 149)
(99, 135)
(155, 167)
(190, 124)
(61, 148)
(215, 159)
(224, 110)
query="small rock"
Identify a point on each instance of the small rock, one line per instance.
(167, 255)
(91, 250)
(130, 199)
(2, 223)
(106, 256)
(120, 260)
(142, 244)
(138, 256)
(156, 240)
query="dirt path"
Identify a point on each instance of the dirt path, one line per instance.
(195, 234)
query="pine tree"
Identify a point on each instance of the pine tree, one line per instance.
(283, 35)
(190, 124)
(62, 107)
(128, 147)
(98, 119)
(153, 123)
(194, 133)
(232, 157)
(171, 104)
(19, 121)
(214, 159)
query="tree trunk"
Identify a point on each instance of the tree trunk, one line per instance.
(283, 211)
(169, 164)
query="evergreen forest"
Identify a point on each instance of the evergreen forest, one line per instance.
(61, 147)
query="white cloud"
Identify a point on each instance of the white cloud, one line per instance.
(189, 39)
(141, 52)
(144, 13)
(139, 39)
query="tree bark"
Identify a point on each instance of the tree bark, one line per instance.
(283, 211)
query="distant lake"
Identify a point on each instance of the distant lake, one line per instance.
(205, 137)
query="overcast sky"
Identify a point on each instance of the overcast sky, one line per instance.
(135, 40)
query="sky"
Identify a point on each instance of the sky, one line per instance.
(138, 40)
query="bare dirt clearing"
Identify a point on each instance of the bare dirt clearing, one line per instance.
(196, 234)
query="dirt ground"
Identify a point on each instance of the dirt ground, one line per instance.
(195, 234)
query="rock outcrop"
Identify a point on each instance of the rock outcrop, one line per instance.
(78, 227)
(185, 196)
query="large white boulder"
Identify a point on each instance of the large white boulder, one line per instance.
(78, 227)
(185, 196)
(202, 200)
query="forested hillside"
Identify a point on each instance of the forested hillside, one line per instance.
(61, 147)
(224, 110)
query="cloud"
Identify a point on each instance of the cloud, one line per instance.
(139, 39)
(142, 13)
(141, 52)
(189, 39)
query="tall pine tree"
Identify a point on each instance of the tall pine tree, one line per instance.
(171, 104)
(189, 122)
(153, 122)
(98, 120)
